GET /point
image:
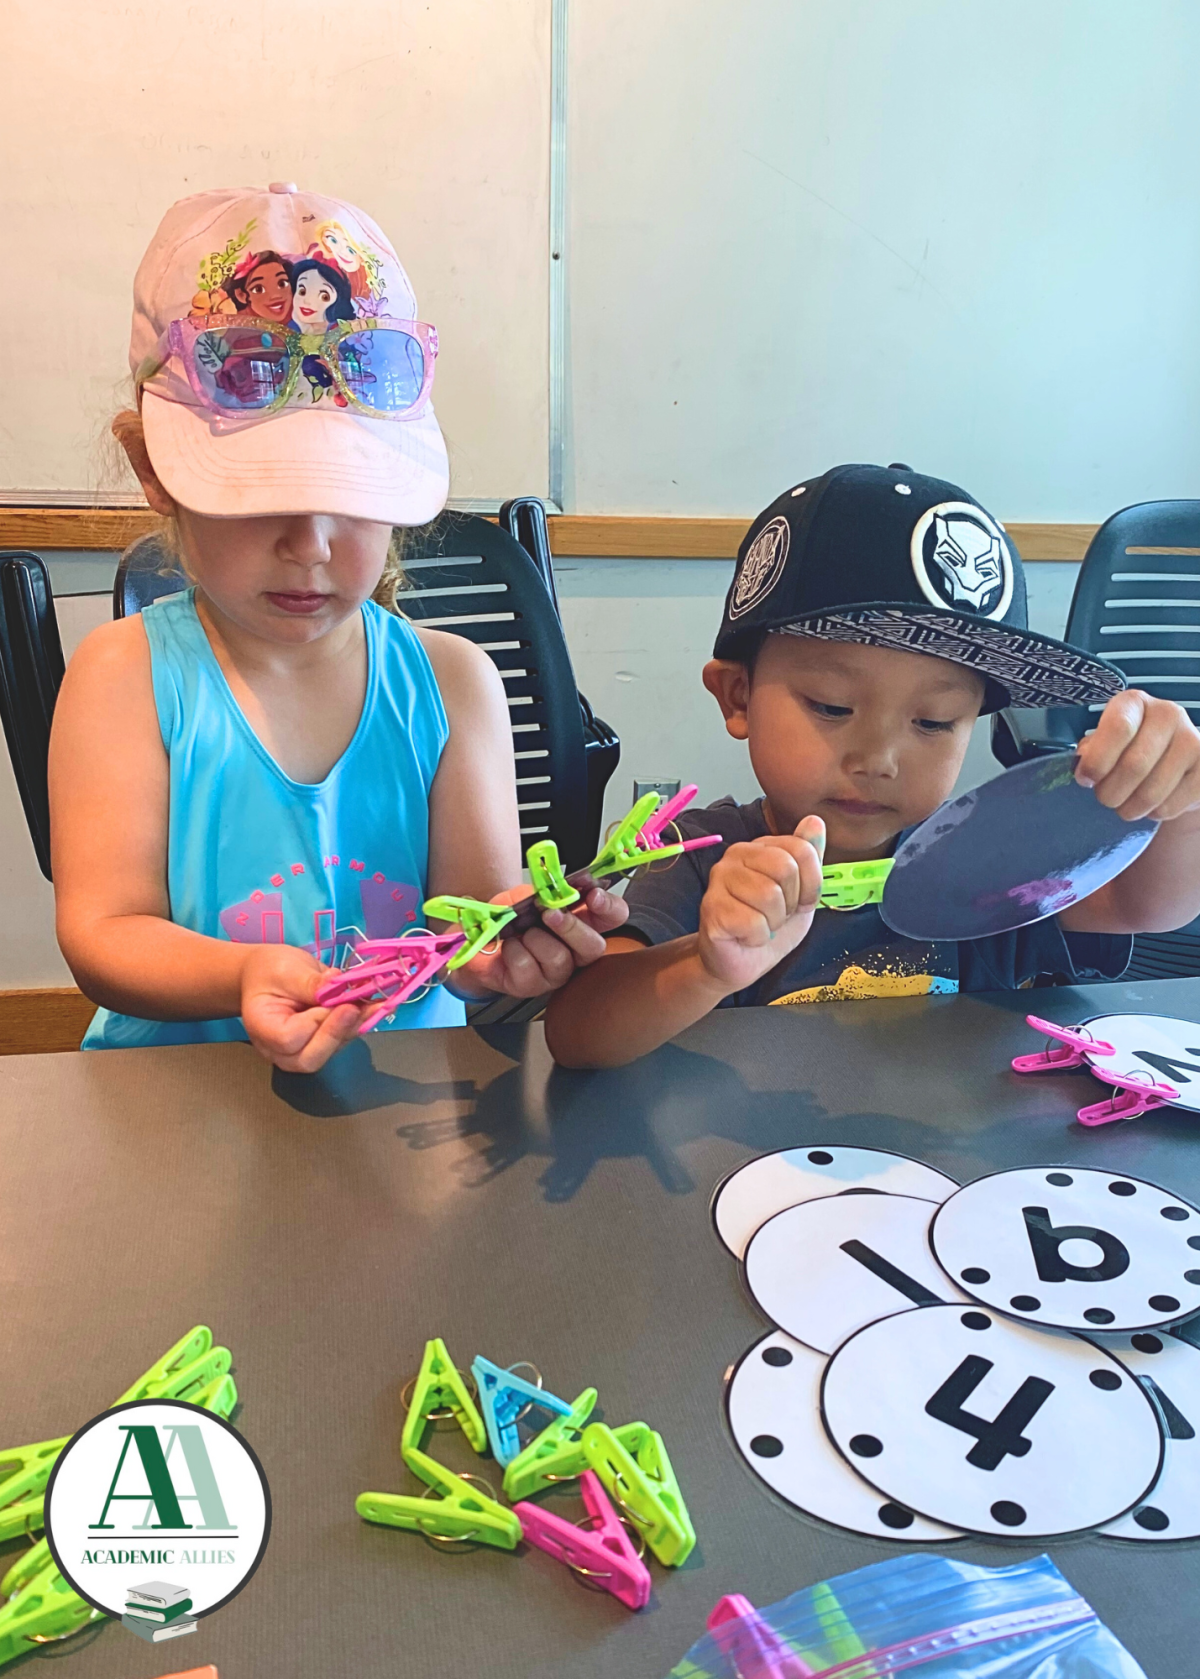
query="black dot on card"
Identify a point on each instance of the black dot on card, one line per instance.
(861, 1189)
(820, 1157)
(778, 1356)
(1007, 1513)
(866, 1445)
(1154, 1521)
(895, 1515)
(1024, 1303)
(1147, 1344)
(1098, 1314)
(976, 1274)
(766, 1445)
(1163, 1303)
(1061, 1179)
(1177, 1214)
(1122, 1188)
(1107, 1380)
(1191, 1276)
(1194, 1241)
(975, 1320)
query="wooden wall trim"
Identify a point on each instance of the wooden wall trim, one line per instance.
(612, 536)
(43, 1022)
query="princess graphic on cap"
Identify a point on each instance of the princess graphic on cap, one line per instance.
(321, 297)
(262, 285)
(335, 246)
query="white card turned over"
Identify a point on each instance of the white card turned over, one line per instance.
(755, 1192)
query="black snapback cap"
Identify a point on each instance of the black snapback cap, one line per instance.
(886, 556)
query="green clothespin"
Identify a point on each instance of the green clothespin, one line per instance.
(649, 1496)
(190, 1365)
(43, 1606)
(621, 851)
(551, 1455)
(850, 885)
(460, 1513)
(438, 1386)
(24, 1472)
(842, 1643)
(551, 887)
(159, 1381)
(480, 922)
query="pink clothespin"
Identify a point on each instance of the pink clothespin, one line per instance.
(602, 1553)
(756, 1651)
(393, 972)
(1132, 1097)
(1077, 1045)
(650, 832)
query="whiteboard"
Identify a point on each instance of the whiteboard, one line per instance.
(961, 234)
(434, 118)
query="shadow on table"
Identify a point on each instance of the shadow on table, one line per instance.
(351, 1084)
(651, 1110)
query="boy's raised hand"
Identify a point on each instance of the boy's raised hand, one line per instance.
(1142, 758)
(760, 902)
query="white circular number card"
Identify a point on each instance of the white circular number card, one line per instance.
(1072, 1248)
(990, 1426)
(1169, 1370)
(824, 1269)
(774, 1409)
(1154, 1049)
(752, 1194)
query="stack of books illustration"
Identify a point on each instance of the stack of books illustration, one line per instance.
(158, 1611)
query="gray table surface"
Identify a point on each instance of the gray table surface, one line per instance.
(457, 1184)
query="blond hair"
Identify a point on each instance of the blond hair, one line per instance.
(168, 546)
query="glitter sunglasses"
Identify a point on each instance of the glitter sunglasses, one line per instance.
(239, 365)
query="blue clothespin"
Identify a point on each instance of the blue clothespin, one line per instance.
(502, 1398)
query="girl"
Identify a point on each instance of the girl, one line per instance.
(252, 776)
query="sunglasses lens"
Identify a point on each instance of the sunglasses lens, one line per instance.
(384, 369)
(242, 368)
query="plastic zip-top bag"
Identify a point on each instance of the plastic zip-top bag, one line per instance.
(926, 1614)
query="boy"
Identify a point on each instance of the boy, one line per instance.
(873, 616)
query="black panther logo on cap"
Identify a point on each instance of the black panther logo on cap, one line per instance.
(960, 558)
(762, 567)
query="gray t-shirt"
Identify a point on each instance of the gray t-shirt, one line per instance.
(854, 953)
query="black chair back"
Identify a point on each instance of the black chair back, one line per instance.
(469, 576)
(1137, 599)
(145, 573)
(1137, 603)
(31, 672)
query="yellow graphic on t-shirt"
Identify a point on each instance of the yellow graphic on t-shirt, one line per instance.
(855, 984)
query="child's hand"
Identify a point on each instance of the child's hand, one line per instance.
(544, 958)
(279, 1012)
(1142, 758)
(760, 903)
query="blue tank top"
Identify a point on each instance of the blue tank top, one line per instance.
(255, 857)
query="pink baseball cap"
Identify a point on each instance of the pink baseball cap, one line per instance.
(317, 457)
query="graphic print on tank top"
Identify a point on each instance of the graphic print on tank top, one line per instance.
(887, 966)
(389, 908)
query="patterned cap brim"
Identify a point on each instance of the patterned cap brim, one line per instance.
(1035, 670)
